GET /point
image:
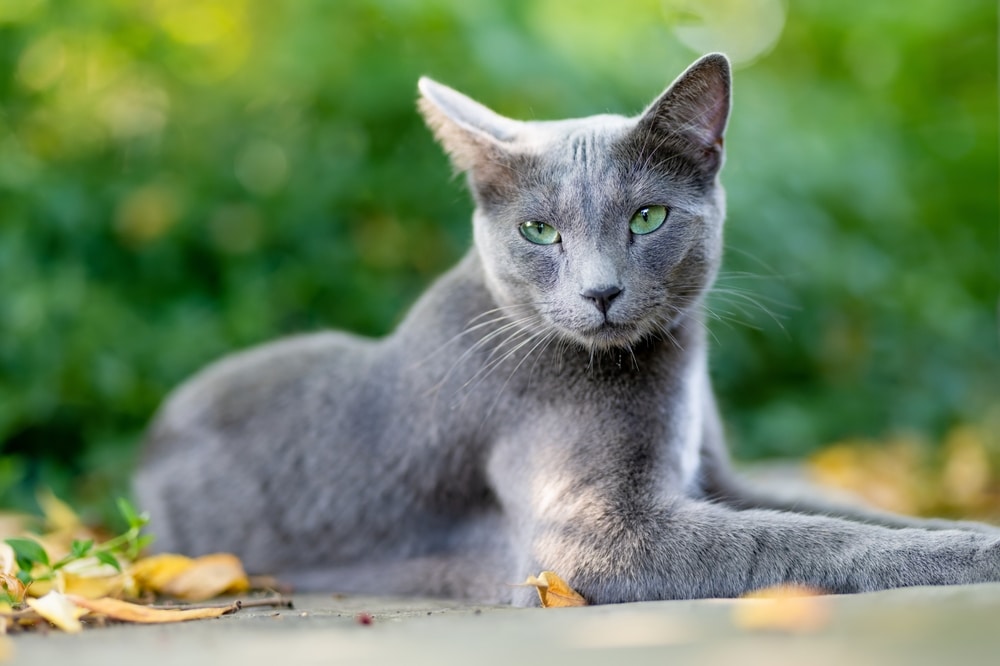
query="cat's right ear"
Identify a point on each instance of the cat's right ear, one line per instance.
(474, 137)
(693, 112)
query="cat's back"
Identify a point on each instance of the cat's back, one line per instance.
(266, 379)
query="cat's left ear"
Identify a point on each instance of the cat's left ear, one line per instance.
(475, 137)
(694, 110)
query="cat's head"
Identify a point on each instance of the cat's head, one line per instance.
(607, 229)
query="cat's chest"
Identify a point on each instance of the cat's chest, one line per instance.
(642, 421)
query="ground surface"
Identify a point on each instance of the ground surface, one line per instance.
(944, 625)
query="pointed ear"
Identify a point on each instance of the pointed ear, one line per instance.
(694, 109)
(472, 135)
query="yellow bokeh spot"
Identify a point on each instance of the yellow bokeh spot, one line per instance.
(742, 29)
(147, 213)
(216, 32)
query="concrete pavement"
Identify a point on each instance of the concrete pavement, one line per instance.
(931, 625)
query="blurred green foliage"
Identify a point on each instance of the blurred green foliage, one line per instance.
(181, 178)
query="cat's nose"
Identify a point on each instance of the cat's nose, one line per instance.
(602, 297)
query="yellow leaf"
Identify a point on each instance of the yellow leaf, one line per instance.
(152, 573)
(58, 516)
(787, 608)
(88, 580)
(192, 579)
(5, 611)
(129, 612)
(210, 576)
(554, 592)
(59, 610)
(965, 477)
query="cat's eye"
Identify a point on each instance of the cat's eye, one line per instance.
(648, 219)
(540, 233)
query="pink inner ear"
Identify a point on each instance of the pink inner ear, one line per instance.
(696, 104)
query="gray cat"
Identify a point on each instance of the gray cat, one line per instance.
(544, 406)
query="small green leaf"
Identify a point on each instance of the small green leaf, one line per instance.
(28, 552)
(81, 548)
(134, 519)
(109, 559)
(144, 541)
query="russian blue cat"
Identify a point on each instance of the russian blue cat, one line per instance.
(546, 405)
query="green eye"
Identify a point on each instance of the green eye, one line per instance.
(540, 233)
(648, 219)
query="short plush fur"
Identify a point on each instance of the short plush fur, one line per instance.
(542, 407)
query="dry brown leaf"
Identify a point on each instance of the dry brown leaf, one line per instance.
(554, 592)
(59, 610)
(12, 587)
(787, 608)
(129, 612)
(192, 579)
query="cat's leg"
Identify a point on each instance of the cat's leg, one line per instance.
(615, 534)
(691, 549)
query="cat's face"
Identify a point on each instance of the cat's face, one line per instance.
(604, 230)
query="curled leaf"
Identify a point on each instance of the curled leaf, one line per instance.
(191, 579)
(554, 592)
(12, 588)
(129, 612)
(59, 610)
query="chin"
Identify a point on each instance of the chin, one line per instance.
(611, 337)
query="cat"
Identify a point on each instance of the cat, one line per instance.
(545, 405)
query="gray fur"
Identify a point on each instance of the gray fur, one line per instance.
(508, 425)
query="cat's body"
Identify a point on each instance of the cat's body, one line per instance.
(545, 405)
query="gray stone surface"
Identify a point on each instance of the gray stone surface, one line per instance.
(944, 625)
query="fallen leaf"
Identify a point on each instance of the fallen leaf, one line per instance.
(89, 577)
(59, 610)
(59, 517)
(8, 560)
(554, 592)
(192, 579)
(12, 587)
(152, 573)
(129, 612)
(786, 608)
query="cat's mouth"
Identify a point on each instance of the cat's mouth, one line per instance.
(612, 335)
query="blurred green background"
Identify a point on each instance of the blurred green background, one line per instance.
(182, 178)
